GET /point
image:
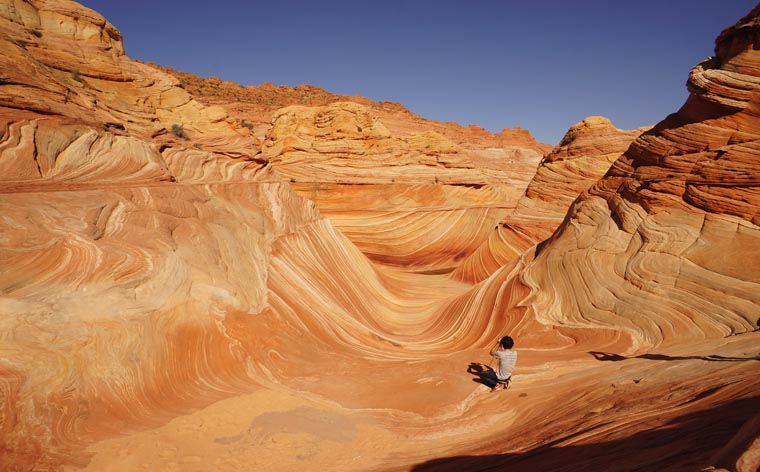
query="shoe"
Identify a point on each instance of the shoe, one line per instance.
(498, 386)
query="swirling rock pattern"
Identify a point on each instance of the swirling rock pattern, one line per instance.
(171, 300)
(665, 247)
(661, 225)
(417, 200)
(584, 155)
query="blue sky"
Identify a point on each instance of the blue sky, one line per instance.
(539, 65)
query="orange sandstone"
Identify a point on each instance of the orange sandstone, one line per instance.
(191, 298)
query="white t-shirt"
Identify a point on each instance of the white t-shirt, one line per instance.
(507, 360)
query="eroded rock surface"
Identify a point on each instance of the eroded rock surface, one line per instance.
(407, 190)
(417, 200)
(584, 155)
(190, 298)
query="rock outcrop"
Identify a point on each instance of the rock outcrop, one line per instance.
(407, 190)
(674, 222)
(255, 105)
(416, 200)
(76, 109)
(189, 298)
(584, 155)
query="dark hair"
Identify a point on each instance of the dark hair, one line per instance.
(507, 342)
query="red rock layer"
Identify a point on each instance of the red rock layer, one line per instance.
(255, 106)
(583, 156)
(667, 243)
(170, 300)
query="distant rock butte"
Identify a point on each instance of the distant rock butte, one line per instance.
(257, 104)
(193, 282)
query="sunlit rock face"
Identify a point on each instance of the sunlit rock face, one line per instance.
(191, 298)
(115, 269)
(583, 156)
(74, 106)
(416, 200)
(667, 242)
(408, 191)
(255, 106)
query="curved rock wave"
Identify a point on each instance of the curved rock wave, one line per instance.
(584, 155)
(640, 250)
(168, 284)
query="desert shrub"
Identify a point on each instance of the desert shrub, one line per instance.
(567, 139)
(179, 131)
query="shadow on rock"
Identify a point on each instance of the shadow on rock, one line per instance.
(685, 443)
(606, 356)
(484, 374)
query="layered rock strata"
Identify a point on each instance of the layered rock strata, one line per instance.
(669, 237)
(584, 155)
(417, 200)
(255, 106)
(171, 300)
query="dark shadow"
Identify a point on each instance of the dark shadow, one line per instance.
(484, 374)
(684, 443)
(606, 356)
(711, 357)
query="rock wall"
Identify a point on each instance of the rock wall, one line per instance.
(188, 297)
(667, 242)
(584, 155)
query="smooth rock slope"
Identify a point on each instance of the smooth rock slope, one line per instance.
(182, 291)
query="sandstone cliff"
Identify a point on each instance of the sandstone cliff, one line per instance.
(408, 191)
(584, 155)
(191, 298)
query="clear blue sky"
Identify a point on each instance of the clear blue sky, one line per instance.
(542, 65)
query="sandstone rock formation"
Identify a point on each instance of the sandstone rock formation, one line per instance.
(417, 200)
(664, 209)
(666, 247)
(388, 178)
(77, 110)
(189, 298)
(584, 155)
(255, 105)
